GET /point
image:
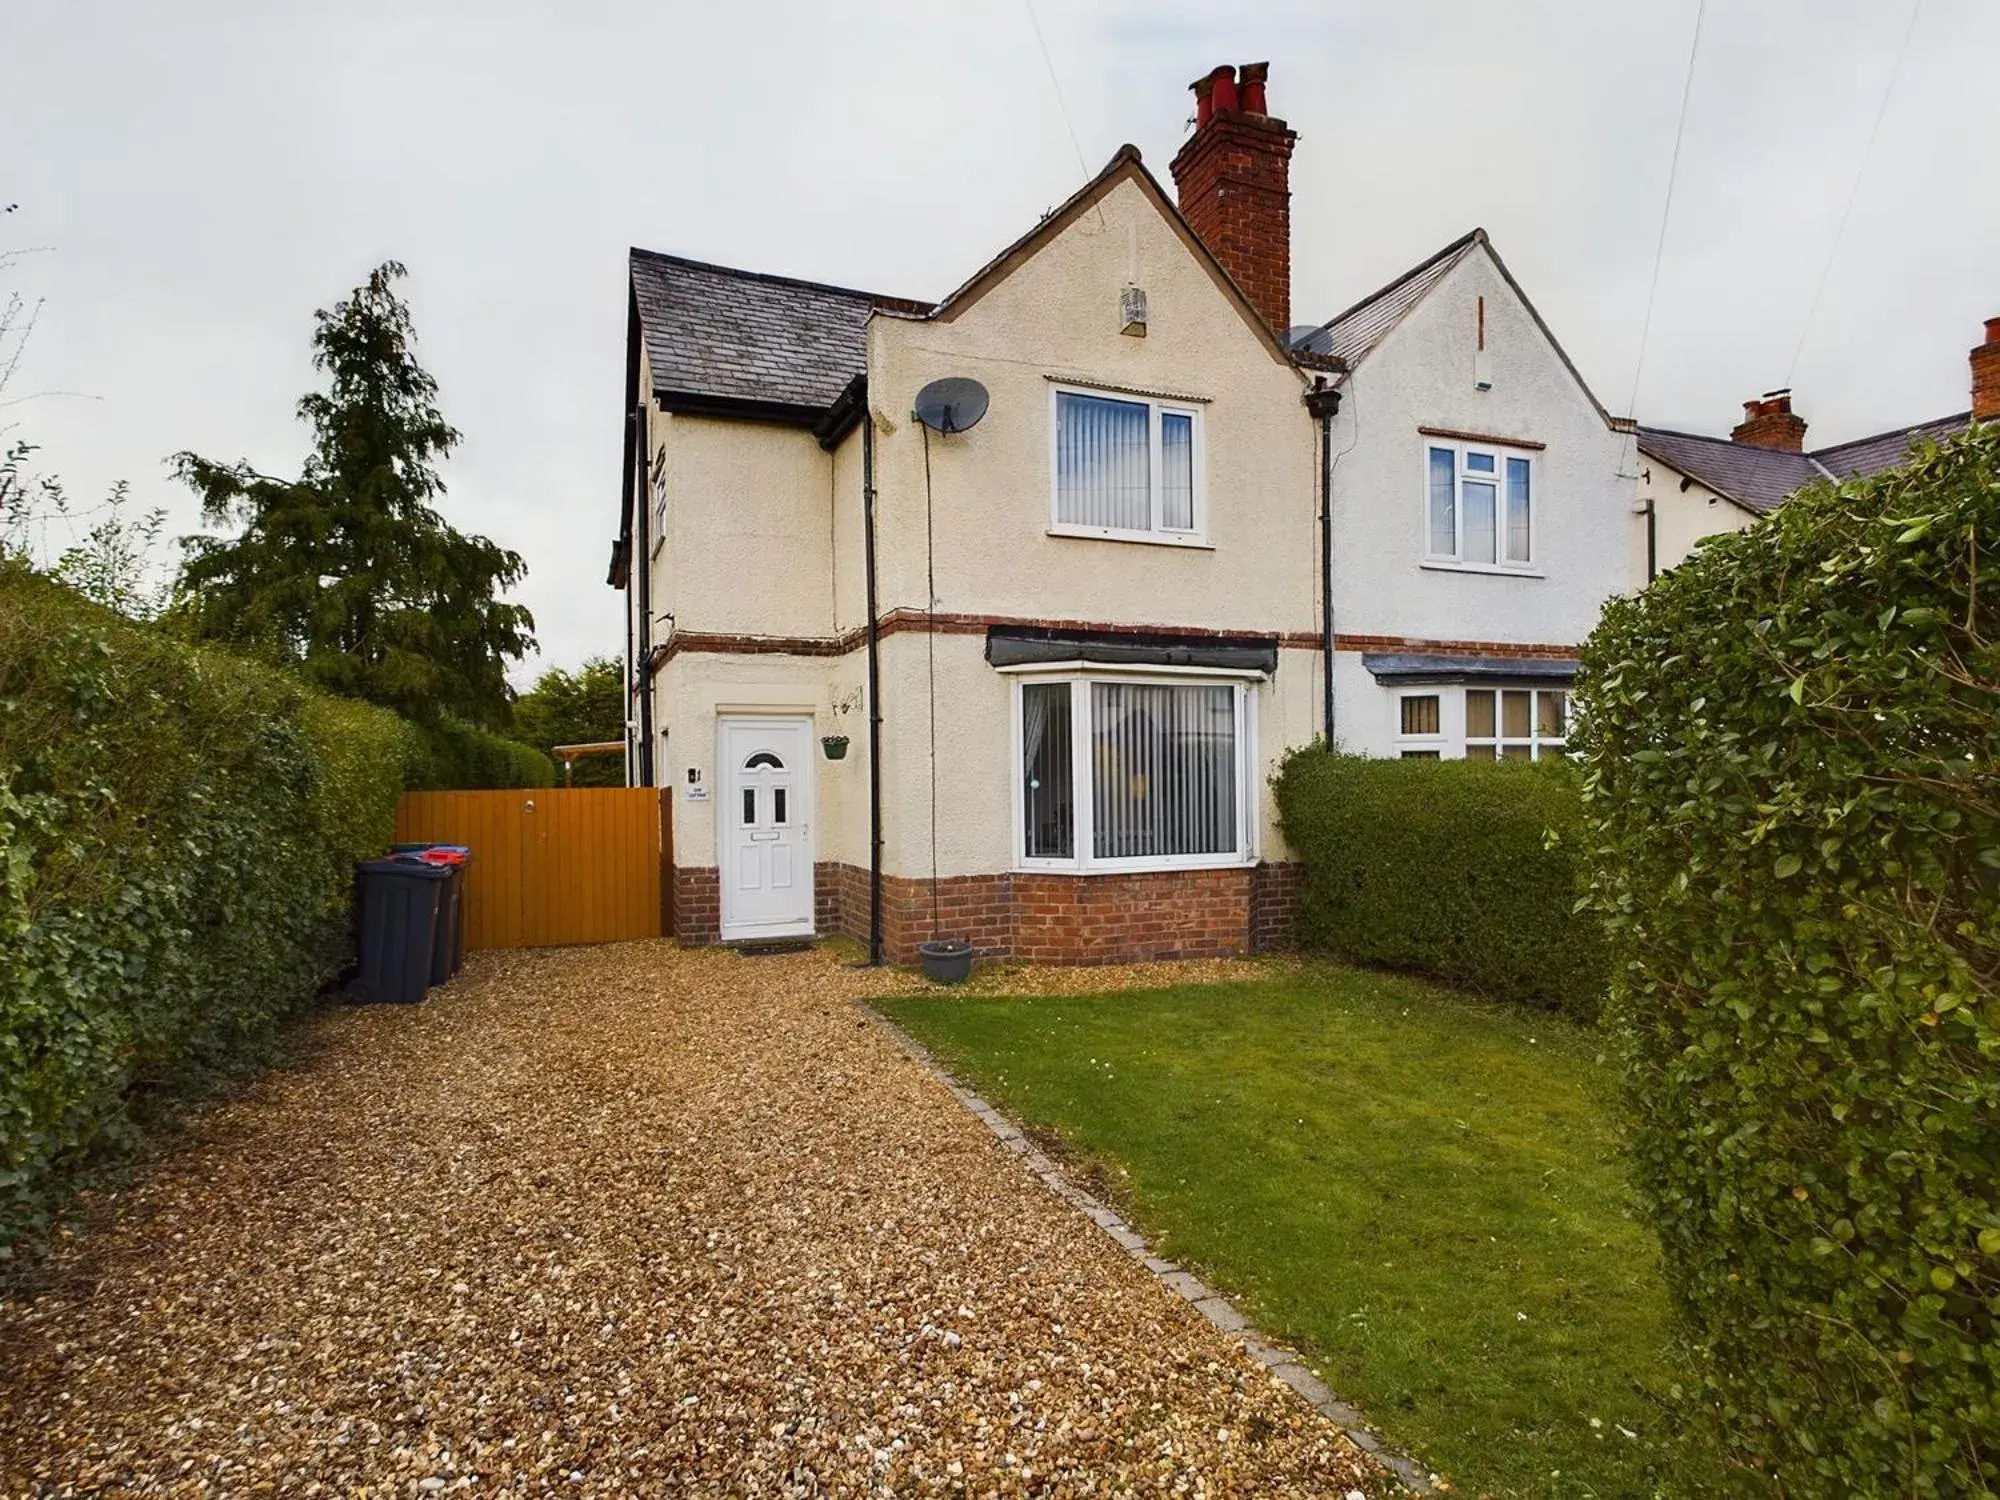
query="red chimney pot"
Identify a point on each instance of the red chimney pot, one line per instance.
(1252, 76)
(1223, 80)
(1993, 330)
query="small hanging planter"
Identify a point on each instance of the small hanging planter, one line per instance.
(835, 746)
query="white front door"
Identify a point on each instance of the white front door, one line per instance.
(764, 827)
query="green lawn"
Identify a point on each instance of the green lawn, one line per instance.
(1418, 1189)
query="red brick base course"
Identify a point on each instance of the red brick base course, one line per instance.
(1040, 917)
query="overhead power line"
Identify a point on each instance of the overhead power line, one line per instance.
(1666, 211)
(1854, 190)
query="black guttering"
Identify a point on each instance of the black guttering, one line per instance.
(1035, 645)
(859, 386)
(1397, 668)
(638, 634)
(1323, 402)
(834, 423)
(741, 408)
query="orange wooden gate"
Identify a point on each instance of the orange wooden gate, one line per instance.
(551, 865)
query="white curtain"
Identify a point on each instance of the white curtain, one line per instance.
(1103, 463)
(1163, 763)
(1518, 511)
(1444, 502)
(1046, 800)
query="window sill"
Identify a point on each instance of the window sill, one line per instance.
(1434, 565)
(1137, 867)
(1147, 538)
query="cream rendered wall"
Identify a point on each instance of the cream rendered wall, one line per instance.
(975, 754)
(1422, 375)
(693, 689)
(749, 533)
(1057, 314)
(1682, 516)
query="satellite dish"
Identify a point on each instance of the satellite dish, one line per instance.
(954, 404)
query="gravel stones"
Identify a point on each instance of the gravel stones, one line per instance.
(623, 1219)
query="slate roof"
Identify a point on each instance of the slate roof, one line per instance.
(1756, 478)
(713, 331)
(1885, 450)
(1349, 336)
(1759, 479)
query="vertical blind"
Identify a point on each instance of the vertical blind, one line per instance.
(1103, 462)
(1047, 800)
(1176, 471)
(1163, 769)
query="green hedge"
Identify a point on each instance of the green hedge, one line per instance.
(1457, 869)
(177, 834)
(1793, 753)
(449, 755)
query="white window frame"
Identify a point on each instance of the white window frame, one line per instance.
(1439, 743)
(1083, 860)
(1500, 739)
(1156, 534)
(1454, 561)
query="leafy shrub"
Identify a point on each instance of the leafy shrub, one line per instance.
(177, 835)
(448, 755)
(1453, 868)
(1793, 808)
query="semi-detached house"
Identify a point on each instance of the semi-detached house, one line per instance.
(1026, 683)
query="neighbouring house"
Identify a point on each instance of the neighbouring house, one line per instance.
(1691, 486)
(1024, 681)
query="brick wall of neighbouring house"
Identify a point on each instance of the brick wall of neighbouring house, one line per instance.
(1274, 902)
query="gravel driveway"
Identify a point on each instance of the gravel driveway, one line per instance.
(622, 1219)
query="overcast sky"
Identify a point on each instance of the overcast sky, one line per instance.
(206, 174)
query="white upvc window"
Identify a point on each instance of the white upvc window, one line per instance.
(1114, 771)
(1479, 506)
(1420, 725)
(1128, 468)
(1516, 723)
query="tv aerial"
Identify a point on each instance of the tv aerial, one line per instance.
(954, 404)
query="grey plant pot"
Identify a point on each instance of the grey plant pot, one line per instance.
(835, 746)
(946, 960)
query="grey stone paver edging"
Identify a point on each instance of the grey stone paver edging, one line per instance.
(1284, 1364)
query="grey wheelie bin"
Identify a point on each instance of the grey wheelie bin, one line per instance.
(400, 904)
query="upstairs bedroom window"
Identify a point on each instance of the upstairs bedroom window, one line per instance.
(1479, 507)
(1127, 774)
(1127, 468)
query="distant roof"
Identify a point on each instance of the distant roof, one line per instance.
(1885, 450)
(713, 331)
(1352, 334)
(1760, 479)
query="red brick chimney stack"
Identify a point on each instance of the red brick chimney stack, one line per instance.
(1234, 177)
(1986, 375)
(1769, 422)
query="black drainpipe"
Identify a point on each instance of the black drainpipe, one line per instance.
(874, 684)
(642, 560)
(1323, 401)
(1652, 542)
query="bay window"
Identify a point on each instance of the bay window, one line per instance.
(1478, 506)
(1118, 772)
(1515, 723)
(1126, 467)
